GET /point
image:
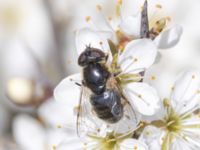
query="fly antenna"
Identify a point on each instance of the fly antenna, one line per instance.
(88, 46)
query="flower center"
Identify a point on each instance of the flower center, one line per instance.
(109, 142)
(122, 40)
(172, 120)
(173, 123)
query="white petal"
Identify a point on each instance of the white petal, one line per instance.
(71, 143)
(86, 37)
(186, 86)
(153, 137)
(56, 114)
(138, 54)
(169, 38)
(67, 91)
(130, 144)
(182, 144)
(143, 97)
(55, 138)
(28, 133)
(151, 134)
(131, 25)
(188, 107)
(130, 7)
(192, 130)
(99, 22)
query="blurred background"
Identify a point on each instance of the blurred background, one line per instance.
(37, 50)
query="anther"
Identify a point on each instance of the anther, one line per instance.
(99, 8)
(153, 77)
(87, 18)
(159, 6)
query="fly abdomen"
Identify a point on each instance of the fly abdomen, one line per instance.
(108, 106)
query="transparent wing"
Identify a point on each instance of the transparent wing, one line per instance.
(87, 122)
(129, 121)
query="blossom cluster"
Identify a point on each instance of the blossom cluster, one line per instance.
(132, 42)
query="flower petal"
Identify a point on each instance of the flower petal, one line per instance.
(63, 115)
(55, 138)
(26, 127)
(169, 38)
(138, 54)
(182, 144)
(86, 37)
(131, 25)
(186, 86)
(143, 97)
(72, 142)
(130, 144)
(152, 136)
(67, 91)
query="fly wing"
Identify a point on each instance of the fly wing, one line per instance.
(88, 124)
(130, 119)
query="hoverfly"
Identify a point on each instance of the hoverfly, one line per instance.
(101, 101)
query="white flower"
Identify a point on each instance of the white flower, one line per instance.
(105, 143)
(88, 37)
(30, 134)
(63, 117)
(137, 56)
(180, 126)
(22, 19)
(131, 23)
(126, 25)
(28, 50)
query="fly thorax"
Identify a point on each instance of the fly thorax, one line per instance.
(95, 78)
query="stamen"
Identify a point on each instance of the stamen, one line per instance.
(53, 147)
(198, 92)
(153, 77)
(140, 96)
(158, 6)
(119, 2)
(189, 112)
(59, 126)
(168, 18)
(99, 7)
(130, 64)
(87, 18)
(135, 147)
(110, 18)
(69, 61)
(172, 88)
(117, 9)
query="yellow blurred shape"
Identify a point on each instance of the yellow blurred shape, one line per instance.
(10, 17)
(20, 90)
